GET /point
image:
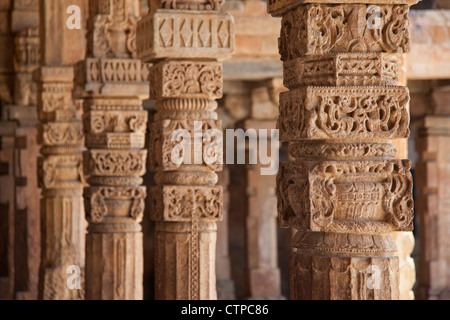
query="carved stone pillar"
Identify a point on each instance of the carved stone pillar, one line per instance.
(186, 40)
(61, 181)
(432, 181)
(264, 281)
(60, 167)
(115, 125)
(343, 191)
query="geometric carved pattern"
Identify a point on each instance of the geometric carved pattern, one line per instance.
(185, 41)
(343, 69)
(207, 34)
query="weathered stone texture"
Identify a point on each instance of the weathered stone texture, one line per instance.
(343, 191)
(185, 41)
(112, 83)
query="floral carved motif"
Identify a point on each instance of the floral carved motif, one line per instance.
(182, 204)
(186, 79)
(323, 29)
(354, 196)
(347, 112)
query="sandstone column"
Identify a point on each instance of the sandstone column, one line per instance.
(19, 37)
(60, 167)
(343, 191)
(114, 82)
(432, 181)
(264, 281)
(185, 40)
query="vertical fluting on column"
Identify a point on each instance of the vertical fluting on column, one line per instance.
(113, 85)
(61, 181)
(343, 191)
(433, 210)
(185, 41)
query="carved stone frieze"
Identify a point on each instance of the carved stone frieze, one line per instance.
(343, 69)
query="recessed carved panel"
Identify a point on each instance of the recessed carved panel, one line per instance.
(372, 197)
(166, 135)
(322, 29)
(344, 113)
(342, 69)
(174, 34)
(186, 79)
(116, 163)
(186, 203)
(116, 204)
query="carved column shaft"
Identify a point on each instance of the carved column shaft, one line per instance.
(60, 168)
(185, 40)
(61, 181)
(343, 191)
(113, 83)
